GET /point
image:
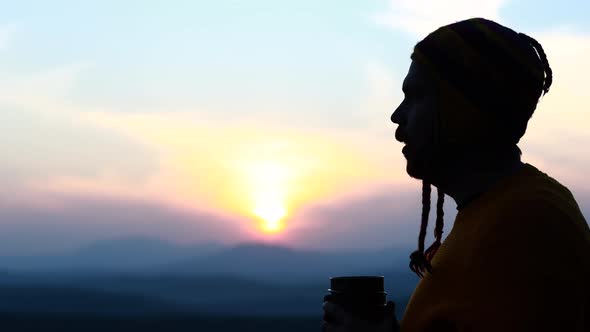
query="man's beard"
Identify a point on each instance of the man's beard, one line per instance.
(429, 165)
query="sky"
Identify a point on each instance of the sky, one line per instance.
(239, 121)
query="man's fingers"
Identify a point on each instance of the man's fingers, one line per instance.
(390, 307)
(335, 312)
(390, 312)
(334, 309)
(328, 327)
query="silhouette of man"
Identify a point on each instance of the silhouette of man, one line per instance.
(518, 255)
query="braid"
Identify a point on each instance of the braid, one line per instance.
(438, 230)
(418, 262)
(539, 49)
(426, 190)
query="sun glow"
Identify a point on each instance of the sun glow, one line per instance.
(260, 176)
(269, 181)
(271, 212)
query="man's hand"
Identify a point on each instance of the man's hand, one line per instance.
(343, 321)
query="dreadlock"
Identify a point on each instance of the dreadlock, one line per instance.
(438, 230)
(543, 57)
(420, 259)
(498, 71)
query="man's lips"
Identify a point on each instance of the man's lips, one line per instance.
(399, 136)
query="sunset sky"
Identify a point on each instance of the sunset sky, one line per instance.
(239, 121)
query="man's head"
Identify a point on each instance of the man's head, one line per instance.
(416, 116)
(470, 91)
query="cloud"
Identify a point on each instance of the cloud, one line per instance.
(53, 145)
(73, 221)
(45, 137)
(388, 216)
(47, 90)
(38, 146)
(422, 17)
(222, 163)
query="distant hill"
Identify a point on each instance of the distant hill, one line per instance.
(142, 295)
(147, 256)
(144, 275)
(39, 299)
(120, 255)
(284, 265)
(155, 322)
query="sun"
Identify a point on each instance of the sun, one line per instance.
(268, 184)
(271, 210)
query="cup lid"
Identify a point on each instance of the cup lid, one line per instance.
(357, 284)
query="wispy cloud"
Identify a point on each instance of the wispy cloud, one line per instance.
(220, 163)
(45, 137)
(384, 217)
(77, 220)
(46, 90)
(422, 17)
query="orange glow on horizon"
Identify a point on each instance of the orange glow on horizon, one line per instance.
(258, 175)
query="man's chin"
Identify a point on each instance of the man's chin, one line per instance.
(414, 172)
(420, 171)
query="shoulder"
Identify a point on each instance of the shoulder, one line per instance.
(537, 218)
(539, 201)
(539, 232)
(545, 192)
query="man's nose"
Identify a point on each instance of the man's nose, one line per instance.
(396, 116)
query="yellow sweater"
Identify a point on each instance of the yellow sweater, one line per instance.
(517, 259)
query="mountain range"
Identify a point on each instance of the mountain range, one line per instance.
(138, 276)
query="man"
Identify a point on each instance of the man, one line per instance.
(518, 256)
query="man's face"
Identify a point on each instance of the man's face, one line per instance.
(416, 117)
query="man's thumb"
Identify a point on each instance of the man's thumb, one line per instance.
(390, 306)
(391, 317)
